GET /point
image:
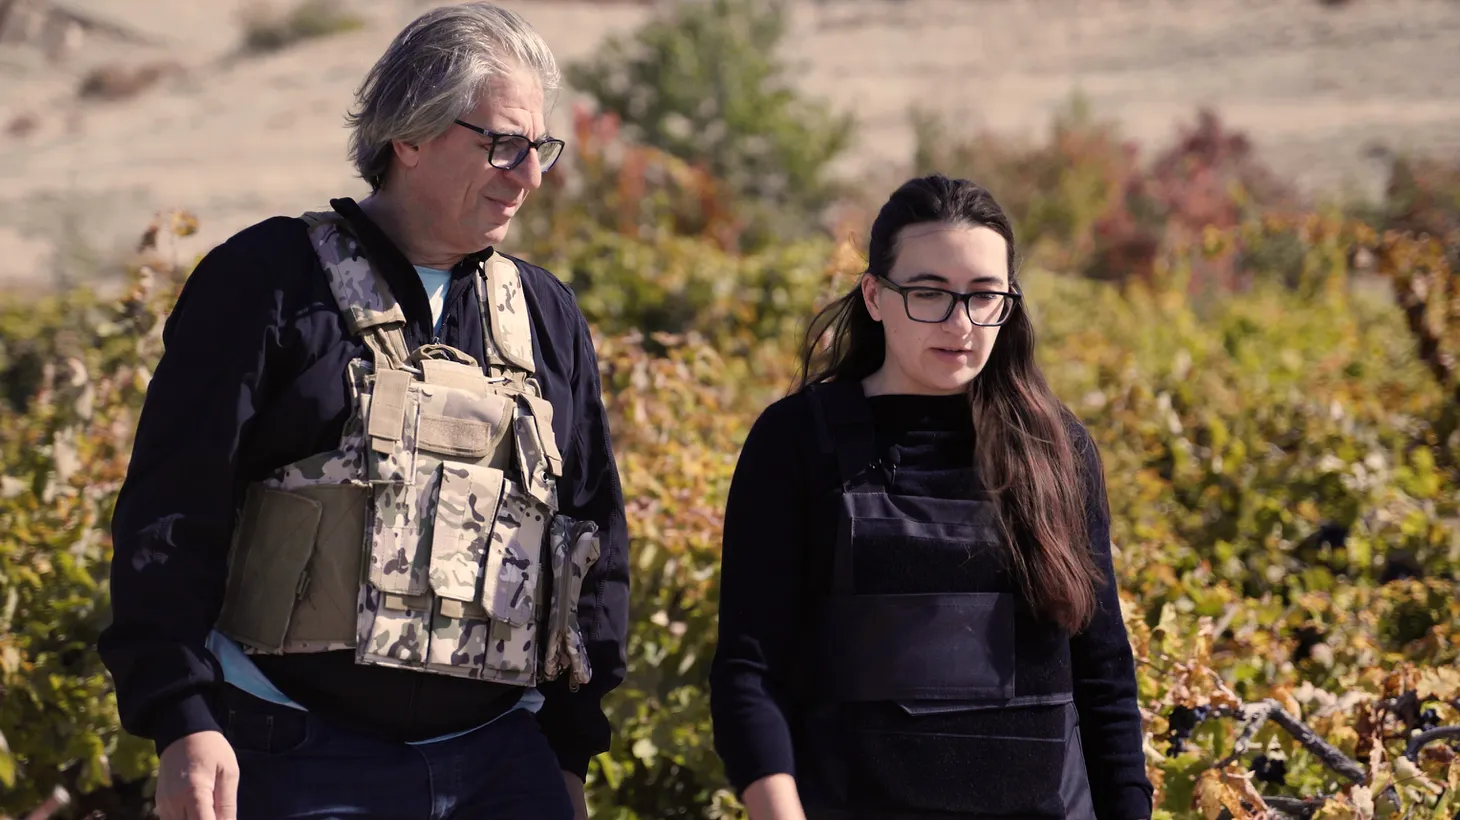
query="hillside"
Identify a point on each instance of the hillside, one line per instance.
(1323, 90)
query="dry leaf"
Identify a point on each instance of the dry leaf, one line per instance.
(1241, 784)
(1363, 800)
(1209, 793)
(1284, 696)
(1406, 773)
(1338, 807)
(1439, 683)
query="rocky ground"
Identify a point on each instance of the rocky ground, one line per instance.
(1323, 89)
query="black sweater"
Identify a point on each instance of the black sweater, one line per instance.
(774, 529)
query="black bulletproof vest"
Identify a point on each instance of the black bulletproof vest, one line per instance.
(951, 702)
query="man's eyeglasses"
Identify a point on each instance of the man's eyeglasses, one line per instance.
(985, 308)
(507, 151)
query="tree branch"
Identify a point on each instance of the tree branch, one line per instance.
(1225, 621)
(1423, 739)
(1326, 752)
(1295, 807)
(58, 800)
(1255, 715)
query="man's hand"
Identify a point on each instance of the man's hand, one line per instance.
(575, 794)
(197, 779)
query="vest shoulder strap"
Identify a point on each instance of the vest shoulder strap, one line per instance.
(507, 327)
(370, 309)
(844, 426)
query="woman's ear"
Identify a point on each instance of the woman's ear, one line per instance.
(869, 296)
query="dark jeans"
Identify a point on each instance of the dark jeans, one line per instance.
(293, 765)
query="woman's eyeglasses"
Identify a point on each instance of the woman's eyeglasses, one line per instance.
(985, 308)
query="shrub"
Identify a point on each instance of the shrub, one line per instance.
(679, 284)
(650, 245)
(1084, 202)
(76, 368)
(702, 82)
(1276, 483)
(1281, 463)
(1423, 197)
(1055, 194)
(116, 82)
(608, 183)
(266, 29)
(678, 419)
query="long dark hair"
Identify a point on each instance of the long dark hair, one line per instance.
(1023, 452)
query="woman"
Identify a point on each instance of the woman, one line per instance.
(918, 617)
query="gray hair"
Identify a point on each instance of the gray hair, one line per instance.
(434, 72)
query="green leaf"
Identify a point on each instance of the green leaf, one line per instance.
(645, 750)
(7, 764)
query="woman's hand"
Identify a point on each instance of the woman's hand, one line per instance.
(774, 797)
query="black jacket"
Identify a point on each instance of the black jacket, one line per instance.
(252, 379)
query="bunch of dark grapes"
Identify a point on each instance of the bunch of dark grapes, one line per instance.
(1270, 770)
(1182, 721)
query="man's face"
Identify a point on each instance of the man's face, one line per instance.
(469, 204)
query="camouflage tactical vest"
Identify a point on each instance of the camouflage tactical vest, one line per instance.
(430, 539)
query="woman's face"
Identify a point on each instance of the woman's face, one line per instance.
(938, 357)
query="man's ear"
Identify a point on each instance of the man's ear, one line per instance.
(408, 153)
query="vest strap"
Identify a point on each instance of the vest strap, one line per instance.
(387, 346)
(542, 419)
(372, 312)
(370, 309)
(508, 332)
(844, 427)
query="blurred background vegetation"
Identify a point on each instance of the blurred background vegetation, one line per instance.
(1272, 381)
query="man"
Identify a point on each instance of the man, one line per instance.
(370, 552)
